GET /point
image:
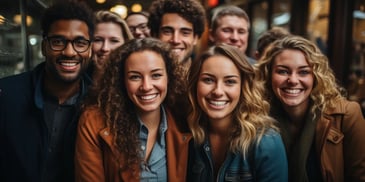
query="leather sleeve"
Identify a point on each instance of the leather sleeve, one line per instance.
(354, 146)
(88, 155)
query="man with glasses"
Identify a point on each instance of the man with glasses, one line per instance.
(137, 23)
(39, 108)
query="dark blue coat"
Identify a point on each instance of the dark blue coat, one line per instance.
(23, 131)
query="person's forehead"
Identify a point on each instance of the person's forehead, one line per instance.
(176, 21)
(136, 17)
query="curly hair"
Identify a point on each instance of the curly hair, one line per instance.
(325, 91)
(103, 16)
(250, 116)
(68, 10)
(191, 10)
(111, 97)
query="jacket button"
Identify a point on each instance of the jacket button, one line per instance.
(106, 133)
(184, 138)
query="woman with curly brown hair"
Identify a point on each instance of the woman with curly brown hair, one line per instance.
(235, 139)
(127, 131)
(322, 130)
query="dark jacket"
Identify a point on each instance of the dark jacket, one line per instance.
(23, 131)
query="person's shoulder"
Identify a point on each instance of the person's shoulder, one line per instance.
(92, 117)
(344, 106)
(14, 84)
(10, 80)
(270, 139)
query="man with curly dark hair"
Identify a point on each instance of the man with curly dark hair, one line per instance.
(180, 23)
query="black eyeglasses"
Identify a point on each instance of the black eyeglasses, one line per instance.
(142, 27)
(59, 43)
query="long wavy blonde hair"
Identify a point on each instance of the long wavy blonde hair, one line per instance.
(250, 117)
(325, 91)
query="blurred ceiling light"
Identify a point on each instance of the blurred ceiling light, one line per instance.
(281, 19)
(121, 10)
(18, 20)
(100, 1)
(2, 20)
(136, 7)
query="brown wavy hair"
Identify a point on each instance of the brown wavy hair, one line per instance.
(325, 91)
(250, 117)
(110, 95)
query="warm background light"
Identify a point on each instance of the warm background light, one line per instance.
(120, 10)
(18, 20)
(2, 20)
(100, 1)
(136, 7)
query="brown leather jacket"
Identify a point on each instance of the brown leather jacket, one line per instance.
(96, 157)
(340, 143)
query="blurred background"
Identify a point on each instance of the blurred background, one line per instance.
(336, 26)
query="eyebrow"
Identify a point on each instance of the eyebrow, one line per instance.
(152, 71)
(300, 67)
(227, 76)
(172, 28)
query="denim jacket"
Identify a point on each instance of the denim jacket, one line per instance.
(265, 162)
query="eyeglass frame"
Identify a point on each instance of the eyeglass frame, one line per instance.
(142, 27)
(66, 42)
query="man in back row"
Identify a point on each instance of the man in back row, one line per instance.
(230, 25)
(180, 23)
(39, 108)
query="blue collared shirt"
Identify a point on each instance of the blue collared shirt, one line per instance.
(156, 168)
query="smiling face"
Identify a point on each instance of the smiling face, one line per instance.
(292, 79)
(218, 88)
(179, 33)
(146, 80)
(67, 65)
(231, 30)
(138, 25)
(108, 36)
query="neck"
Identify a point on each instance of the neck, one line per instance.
(220, 127)
(151, 119)
(297, 114)
(61, 90)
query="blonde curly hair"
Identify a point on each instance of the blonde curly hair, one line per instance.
(250, 116)
(325, 91)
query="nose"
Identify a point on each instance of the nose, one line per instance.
(69, 50)
(218, 90)
(105, 46)
(146, 85)
(234, 35)
(293, 79)
(175, 38)
(138, 34)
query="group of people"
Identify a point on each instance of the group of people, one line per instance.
(129, 100)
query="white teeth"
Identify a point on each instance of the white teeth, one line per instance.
(292, 91)
(176, 50)
(148, 97)
(218, 103)
(68, 64)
